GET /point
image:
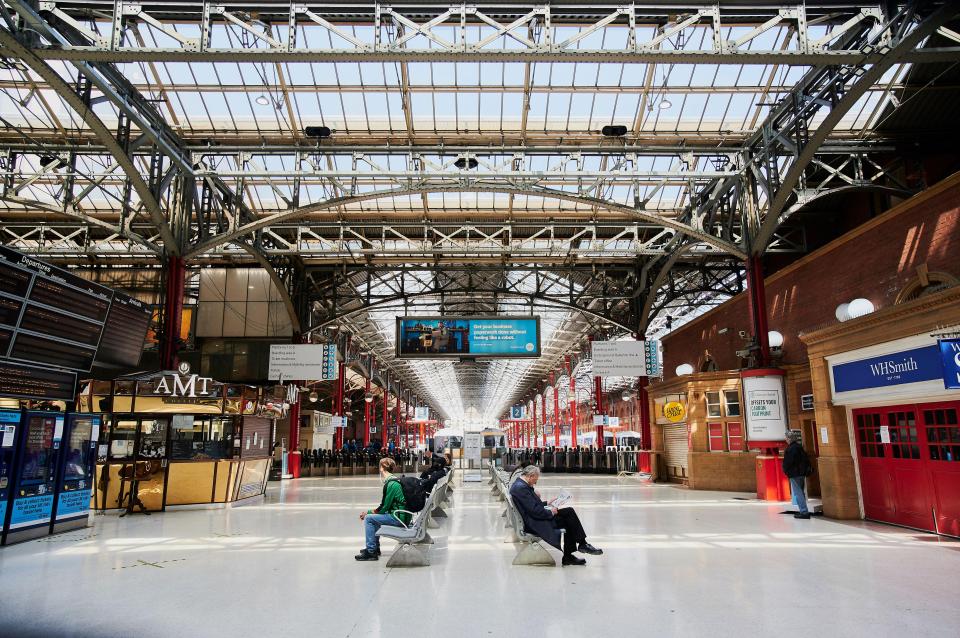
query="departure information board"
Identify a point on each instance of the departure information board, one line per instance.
(125, 331)
(49, 316)
(28, 382)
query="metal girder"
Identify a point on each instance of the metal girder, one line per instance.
(785, 146)
(148, 198)
(458, 32)
(720, 243)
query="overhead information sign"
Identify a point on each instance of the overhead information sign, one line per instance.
(29, 382)
(439, 337)
(125, 331)
(626, 358)
(48, 315)
(302, 361)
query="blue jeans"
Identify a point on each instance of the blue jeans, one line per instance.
(796, 488)
(373, 522)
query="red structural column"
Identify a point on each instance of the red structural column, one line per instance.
(406, 424)
(556, 410)
(573, 405)
(757, 298)
(598, 398)
(543, 413)
(176, 273)
(396, 437)
(386, 412)
(341, 387)
(533, 410)
(367, 409)
(643, 400)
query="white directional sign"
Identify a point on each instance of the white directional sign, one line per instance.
(626, 358)
(302, 361)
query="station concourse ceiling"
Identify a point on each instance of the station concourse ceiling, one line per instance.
(428, 158)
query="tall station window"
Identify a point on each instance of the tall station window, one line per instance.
(714, 410)
(731, 399)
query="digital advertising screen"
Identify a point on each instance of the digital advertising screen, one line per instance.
(440, 337)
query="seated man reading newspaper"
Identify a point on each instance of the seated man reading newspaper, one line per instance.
(546, 518)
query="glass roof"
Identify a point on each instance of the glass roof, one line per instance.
(550, 109)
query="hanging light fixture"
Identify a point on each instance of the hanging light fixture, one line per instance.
(262, 100)
(665, 104)
(313, 397)
(684, 369)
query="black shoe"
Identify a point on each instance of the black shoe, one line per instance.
(587, 548)
(570, 559)
(804, 515)
(365, 555)
(378, 551)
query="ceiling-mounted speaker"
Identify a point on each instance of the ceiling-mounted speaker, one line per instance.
(317, 131)
(614, 130)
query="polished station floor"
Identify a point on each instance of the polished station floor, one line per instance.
(677, 563)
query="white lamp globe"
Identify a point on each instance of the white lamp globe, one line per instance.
(774, 339)
(843, 312)
(683, 369)
(859, 307)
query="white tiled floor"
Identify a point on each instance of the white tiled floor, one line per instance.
(677, 563)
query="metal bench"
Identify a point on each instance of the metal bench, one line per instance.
(411, 539)
(532, 551)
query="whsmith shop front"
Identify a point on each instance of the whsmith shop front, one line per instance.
(887, 400)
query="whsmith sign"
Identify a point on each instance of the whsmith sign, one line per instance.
(897, 368)
(950, 360)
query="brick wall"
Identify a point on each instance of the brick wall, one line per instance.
(722, 471)
(875, 261)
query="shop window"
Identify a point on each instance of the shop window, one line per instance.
(903, 435)
(715, 437)
(868, 435)
(713, 405)
(943, 434)
(202, 438)
(731, 400)
(121, 441)
(735, 437)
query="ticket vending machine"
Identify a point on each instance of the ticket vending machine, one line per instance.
(76, 472)
(9, 423)
(35, 476)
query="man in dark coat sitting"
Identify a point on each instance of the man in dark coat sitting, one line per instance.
(542, 519)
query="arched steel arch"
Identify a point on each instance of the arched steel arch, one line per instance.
(291, 215)
(105, 135)
(502, 294)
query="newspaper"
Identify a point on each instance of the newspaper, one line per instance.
(564, 499)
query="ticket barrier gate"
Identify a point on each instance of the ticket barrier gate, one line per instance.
(37, 460)
(76, 476)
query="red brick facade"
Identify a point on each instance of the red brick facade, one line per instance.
(875, 261)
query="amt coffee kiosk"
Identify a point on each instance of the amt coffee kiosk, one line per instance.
(37, 444)
(75, 478)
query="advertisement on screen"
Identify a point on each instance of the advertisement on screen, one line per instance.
(438, 337)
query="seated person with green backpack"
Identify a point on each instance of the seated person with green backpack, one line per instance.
(393, 508)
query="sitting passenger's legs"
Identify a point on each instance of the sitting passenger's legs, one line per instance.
(568, 520)
(373, 522)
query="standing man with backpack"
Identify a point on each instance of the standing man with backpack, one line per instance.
(797, 467)
(387, 513)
